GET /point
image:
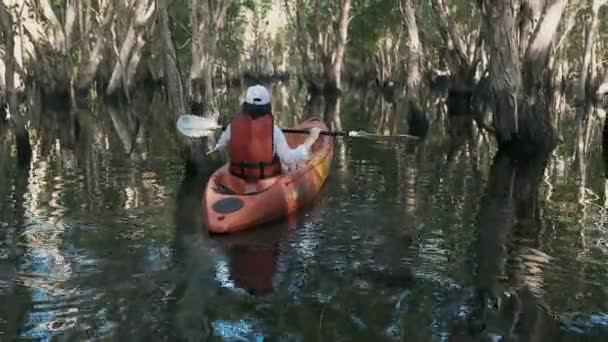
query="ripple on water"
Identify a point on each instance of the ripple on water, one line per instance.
(242, 330)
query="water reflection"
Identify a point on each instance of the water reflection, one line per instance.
(101, 235)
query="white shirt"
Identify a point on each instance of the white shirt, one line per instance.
(287, 155)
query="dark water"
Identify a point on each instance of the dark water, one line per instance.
(100, 238)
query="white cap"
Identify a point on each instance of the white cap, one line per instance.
(257, 95)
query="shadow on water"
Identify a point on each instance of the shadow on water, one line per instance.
(14, 297)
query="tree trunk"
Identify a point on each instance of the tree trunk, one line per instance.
(416, 117)
(537, 53)
(605, 149)
(24, 150)
(591, 31)
(131, 46)
(91, 57)
(6, 25)
(206, 20)
(529, 15)
(333, 70)
(505, 68)
(536, 131)
(173, 79)
(303, 44)
(455, 55)
(584, 101)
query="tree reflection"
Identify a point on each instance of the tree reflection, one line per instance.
(15, 298)
(510, 255)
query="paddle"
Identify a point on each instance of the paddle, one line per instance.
(196, 127)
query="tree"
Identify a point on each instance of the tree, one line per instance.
(322, 31)
(519, 78)
(207, 18)
(24, 150)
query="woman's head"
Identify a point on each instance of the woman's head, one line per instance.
(257, 101)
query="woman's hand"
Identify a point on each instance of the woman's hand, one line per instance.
(312, 137)
(314, 133)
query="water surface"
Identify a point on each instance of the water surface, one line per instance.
(100, 238)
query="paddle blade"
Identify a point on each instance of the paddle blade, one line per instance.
(196, 126)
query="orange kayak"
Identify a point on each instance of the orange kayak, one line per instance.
(232, 204)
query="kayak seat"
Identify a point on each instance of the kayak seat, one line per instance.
(228, 184)
(222, 189)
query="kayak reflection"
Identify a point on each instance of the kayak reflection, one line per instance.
(253, 256)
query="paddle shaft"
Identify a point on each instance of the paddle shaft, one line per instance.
(305, 131)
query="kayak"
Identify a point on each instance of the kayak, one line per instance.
(232, 204)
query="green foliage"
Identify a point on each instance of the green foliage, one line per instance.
(372, 20)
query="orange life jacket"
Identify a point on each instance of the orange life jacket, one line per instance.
(251, 149)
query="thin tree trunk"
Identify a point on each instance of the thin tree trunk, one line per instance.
(414, 50)
(334, 74)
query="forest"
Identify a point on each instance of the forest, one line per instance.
(517, 68)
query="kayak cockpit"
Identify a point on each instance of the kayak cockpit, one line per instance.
(228, 184)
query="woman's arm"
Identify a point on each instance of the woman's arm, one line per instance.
(223, 142)
(291, 156)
